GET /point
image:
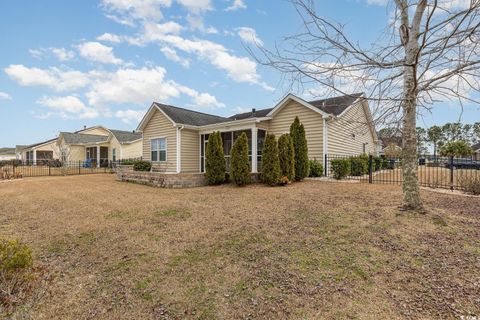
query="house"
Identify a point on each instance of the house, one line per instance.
(97, 145)
(175, 139)
(7, 154)
(476, 151)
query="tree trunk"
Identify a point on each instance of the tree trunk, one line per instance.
(412, 200)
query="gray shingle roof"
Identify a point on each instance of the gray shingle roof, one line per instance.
(7, 150)
(39, 143)
(79, 138)
(476, 146)
(189, 117)
(335, 106)
(126, 136)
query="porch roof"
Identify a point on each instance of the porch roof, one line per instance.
(79, 138)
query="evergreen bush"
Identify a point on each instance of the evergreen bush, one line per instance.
(316, 168)
(340, 168)
(141, 165)
(270, 161)
(286, 155)
(359, 165)
(215, 166)
(297, 132)
(240, 172)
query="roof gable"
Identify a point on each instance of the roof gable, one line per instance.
(126, 136)
(82, 138)
(190, 117)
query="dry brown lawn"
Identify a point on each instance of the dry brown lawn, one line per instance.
(312, 250)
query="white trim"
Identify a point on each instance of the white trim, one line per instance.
(179, 149)
(227, 128)
(166, 149)
(291, 97)
(325, 140)
(254, 149)
(200, 153)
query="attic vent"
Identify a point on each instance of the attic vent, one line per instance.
(253, 111)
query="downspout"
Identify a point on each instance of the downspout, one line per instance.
(179, 148)
(325, 141)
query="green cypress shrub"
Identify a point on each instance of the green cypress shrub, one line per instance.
(215, 166)
(340, 168)
(286, 154)
(142, 165)
(270, 161)
(240, 172)
(297, 131)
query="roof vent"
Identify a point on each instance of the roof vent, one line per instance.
(253, 111)
(84, 127)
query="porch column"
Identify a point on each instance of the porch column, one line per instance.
(254, 149)
(98, 156)
(34, 157)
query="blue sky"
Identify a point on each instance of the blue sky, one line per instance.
(66, 64)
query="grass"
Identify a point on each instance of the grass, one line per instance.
(307, 251)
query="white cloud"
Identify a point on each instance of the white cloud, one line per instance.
(172, 55)
(95, 51)
(196, 6)
(125, 11)
(135, 86)
(55, 78)
(130, 115)
(249, 35)
(5, 96)
(36, 53)
(196, 23)
(63, 54)
(207, 100)
(236, 4)
(378, 2)
(240, 69)
(108, 37)
(68, 107)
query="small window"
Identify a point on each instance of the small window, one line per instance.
(158, 149)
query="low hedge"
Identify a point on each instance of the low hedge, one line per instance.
(316, 168)
(359, 165)
(340, 168)
(141, 165)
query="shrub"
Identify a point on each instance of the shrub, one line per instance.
(127, 162)
(377, 163)
(141, 165)
(240, 165)
(286, 155)
(297, 132)
(270, 161)
(359, 165)
(471, 184)
(215, 166)
(340, 168)
(14, 255)
(316, 168)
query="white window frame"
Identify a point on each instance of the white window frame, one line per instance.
(166, 149)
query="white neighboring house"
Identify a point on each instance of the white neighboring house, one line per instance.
(7, 154)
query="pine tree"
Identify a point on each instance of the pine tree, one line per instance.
(286, 154)
(215, 159)
(240, 166)
(297, 132)
(270, 161)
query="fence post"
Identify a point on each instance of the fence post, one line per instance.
(49, 173)
(451, 172)
(13, 166)
(79, 167)
(370, 169)
(326, 164)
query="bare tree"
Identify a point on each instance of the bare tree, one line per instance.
(64, 154)
(428, 52)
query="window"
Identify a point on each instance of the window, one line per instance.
(158, 149)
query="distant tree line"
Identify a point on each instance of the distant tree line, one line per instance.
(435, 136)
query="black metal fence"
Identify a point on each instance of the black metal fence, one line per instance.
(42, 168)
(433, 171)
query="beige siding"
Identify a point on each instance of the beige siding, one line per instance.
(118, 149)
(341, 133)
(159, 126)
(96, 131)
(132, 150)
(312, 121)
(190, 151)
(77, 153)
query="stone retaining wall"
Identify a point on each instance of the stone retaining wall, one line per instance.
(162, 180)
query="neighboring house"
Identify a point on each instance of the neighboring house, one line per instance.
(175, 139)
(476, 151)
(96, 144)
(7, 154)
